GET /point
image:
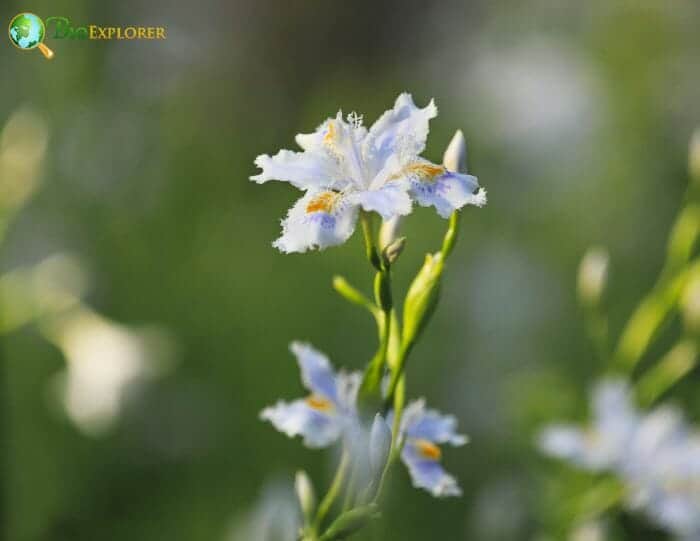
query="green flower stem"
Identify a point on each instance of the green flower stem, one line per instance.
(370, 244)
(678, 362)
(683, 237)
(370, 388)
(655, 307)
(651, 313)
(450, 239)
(350, 522)
(333, 491)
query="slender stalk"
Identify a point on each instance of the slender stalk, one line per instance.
(371, 382)
(647, 319)
(333, 491)
(450, 239)
(370, 389)
(678, 362)
(370, 244)
(655, 307)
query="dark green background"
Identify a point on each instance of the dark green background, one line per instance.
(577, 116)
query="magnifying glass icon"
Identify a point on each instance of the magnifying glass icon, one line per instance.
(27, 31)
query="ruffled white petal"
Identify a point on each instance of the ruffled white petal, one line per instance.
(342, 141)
(318, 140)
(423, 429)
(317, 428)
(313, 141)
(429, 474)
(389, 201)
(312, 224)
(304, 170)
(403, 129)
(448, 192)
(431, 425)
(316, 372)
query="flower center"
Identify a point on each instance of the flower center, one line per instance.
(318, 403)
(428, 449)
(323, 202)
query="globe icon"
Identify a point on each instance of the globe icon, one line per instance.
(27, 32)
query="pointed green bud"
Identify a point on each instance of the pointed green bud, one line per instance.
(455, 157)
(422, 298)
(379, 444)
(593, 276)
(350, 522)
(307, 496)
(392, 252)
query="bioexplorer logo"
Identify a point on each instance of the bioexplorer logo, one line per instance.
(27, 31)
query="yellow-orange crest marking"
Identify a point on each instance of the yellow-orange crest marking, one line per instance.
(425, 171)
(318, 403)
(323, 202)
(428, 449)
(329, 138)
(421, 170)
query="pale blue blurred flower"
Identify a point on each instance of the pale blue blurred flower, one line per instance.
(603, 444)
(423, 431)
(655, 455)
(345, 167)
(323, 416)
(662, 473)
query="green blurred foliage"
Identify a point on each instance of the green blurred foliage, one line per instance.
(577, 117)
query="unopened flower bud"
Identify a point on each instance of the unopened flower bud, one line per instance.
(379, 444)
(305, 493)
(455, 157)
(422, 297)
(593, 276)
(392, 252)
(389, 231)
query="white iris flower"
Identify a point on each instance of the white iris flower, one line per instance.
(423, 431)
(602, 445)
(327, 412)
(344, 168)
